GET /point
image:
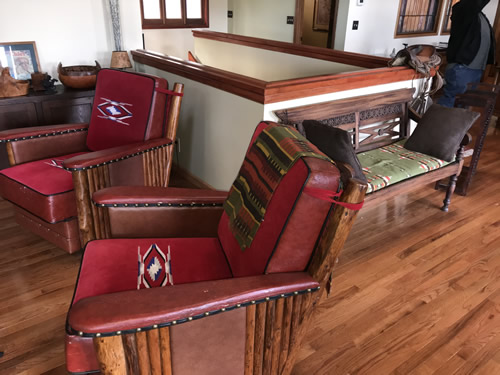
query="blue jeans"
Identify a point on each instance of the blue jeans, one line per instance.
(456, 77)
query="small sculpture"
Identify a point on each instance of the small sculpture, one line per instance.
(42, 82)
(49, 83)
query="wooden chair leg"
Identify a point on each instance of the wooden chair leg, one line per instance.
(451, 188)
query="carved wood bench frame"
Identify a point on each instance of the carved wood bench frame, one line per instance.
(375, 121)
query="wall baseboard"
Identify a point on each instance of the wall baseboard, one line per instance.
(183, 178)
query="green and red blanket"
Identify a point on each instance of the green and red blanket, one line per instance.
(270, 157)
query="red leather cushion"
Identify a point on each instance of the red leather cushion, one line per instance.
(254, 259)
(110, 266)
(126, 107)
(292, 223)
(41, 187)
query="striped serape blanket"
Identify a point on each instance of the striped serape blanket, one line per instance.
(270, 157)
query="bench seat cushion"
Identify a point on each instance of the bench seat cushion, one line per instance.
(390, 164)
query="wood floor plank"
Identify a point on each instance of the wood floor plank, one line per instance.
(416, 291)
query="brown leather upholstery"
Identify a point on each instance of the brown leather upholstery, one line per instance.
(195, 345)
(114, 154)
(300, 233)
(63, 234)
(177, 212)
(49, 145)
(52, 208)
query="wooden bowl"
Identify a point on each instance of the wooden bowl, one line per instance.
(78, 76)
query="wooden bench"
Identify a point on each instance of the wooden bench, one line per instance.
(376, 121)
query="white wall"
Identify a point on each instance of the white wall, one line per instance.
(263, 18)
(377, 22)
(263, 64)
(72, 32)
(177, 42)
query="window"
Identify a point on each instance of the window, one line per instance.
(445, 29)
(418, 17)
(172, 14)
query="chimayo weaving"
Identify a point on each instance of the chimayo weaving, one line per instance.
(270, 157)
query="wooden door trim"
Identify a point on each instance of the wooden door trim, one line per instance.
(298, 21)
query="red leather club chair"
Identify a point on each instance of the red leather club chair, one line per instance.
(55, 169)
(227, 282)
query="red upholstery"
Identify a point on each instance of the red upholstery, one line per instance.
(110, 266)
(290, 228)
(284, 243)
(128, 111)
(41, 187)
(125, 109)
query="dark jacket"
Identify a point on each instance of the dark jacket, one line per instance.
(465, 34)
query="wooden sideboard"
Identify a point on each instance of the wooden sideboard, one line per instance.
(64, 106)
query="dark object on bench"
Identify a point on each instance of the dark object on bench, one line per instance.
(334, 142)
(480, 97)
(375, 121)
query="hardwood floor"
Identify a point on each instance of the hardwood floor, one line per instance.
(416, 291)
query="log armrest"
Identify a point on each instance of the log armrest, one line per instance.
(146, 309)
(142, 211)
(35, 143)
(144, 196)
(112, 155)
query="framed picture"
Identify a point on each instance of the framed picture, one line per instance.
(21, 58)
(321, 17)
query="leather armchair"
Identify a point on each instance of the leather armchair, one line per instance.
(180, 293)
(55, 169)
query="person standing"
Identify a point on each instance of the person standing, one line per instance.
(470, 48)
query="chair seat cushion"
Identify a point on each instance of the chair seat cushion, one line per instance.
(110, 266)
(41, 187)
(390, 164)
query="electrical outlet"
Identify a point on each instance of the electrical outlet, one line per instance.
(355, 25)
(229, 14)
(289, 20)
(361, 2)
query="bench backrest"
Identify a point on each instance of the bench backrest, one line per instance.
(372, 120)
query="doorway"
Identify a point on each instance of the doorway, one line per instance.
(315, 22)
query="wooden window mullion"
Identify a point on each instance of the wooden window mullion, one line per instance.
(418, 17)
(184, 22)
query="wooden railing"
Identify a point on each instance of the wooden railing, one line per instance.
(350, 58)
(266, 92)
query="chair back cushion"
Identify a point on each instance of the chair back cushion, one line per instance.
(127, 109)
(291, 225)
